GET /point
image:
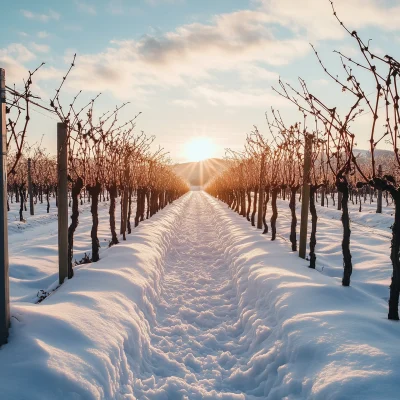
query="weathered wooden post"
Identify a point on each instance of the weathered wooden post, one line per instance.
(379, 200)
(305, 197)
(261, 193)
(323, 189)
(4, 279)
(62, 193)
(124, 208)
(30, 189)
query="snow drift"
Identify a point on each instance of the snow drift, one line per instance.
(82, 341)
(196, 304)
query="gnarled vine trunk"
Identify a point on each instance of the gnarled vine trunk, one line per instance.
(293, 225)
(94, 192)
(48, 199)
(265, 205)
(395, 257)
(139, 194)
(274, 217)
(21, 208)
(343, 188)
(76, 189)
(148, 192)
(129, 211)
(112, 190)
(248, 204)
(314, 219)
(253, 214)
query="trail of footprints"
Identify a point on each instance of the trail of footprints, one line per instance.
(196, 342)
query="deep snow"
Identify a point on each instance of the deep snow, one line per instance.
(197, 304)
(33, 246)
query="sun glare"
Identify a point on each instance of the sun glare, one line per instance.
(199, 149)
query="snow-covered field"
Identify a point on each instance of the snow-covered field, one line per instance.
(197, 304)
(370, 243)
(33, 246)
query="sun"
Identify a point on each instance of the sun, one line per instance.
(199, 149)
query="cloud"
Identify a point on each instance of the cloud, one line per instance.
(157, 2)
(41, 17)
(185, 103)
(255, 73)
(15, 71)
(40, 48)
(241, 42)
(18, 52)
(12, 59)
(115, 7)
(14, 56)
(315, 17)
(85, 7)
(119, 7)
(320, 82)
(42, 35)
(239, 98)
(73, 28)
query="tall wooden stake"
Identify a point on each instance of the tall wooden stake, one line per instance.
(124, 209)
(261, 194)
(305, 197)
(4, 278)
(379, 202)
(30, 188)
(62, 192)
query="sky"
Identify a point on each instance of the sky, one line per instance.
(193, 68)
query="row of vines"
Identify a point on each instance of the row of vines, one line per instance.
(266, 169)
(107, 160)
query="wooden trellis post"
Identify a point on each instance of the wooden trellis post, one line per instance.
(4, 278)
(305, 197)
(30, 188)
(62, 193)
(379, 201)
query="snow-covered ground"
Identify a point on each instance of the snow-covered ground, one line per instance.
(197, 304)
(33, 246)
(370, 243)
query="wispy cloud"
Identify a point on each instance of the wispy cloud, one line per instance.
(85, 7)
(320, 82)
(121, 7)
(12, 59)
(73, 28)
(315, 17)
(185, 103)
(51, 15)
(18, 51)
(238, 98)
(40, 48)
(42, 35)
(115, 7)
(231, 42)
(244, 43)
(157, 2)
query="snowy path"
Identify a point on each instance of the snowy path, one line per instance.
(197, 337)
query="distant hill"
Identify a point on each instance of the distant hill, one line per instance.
(201, 172)
(378, 152)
